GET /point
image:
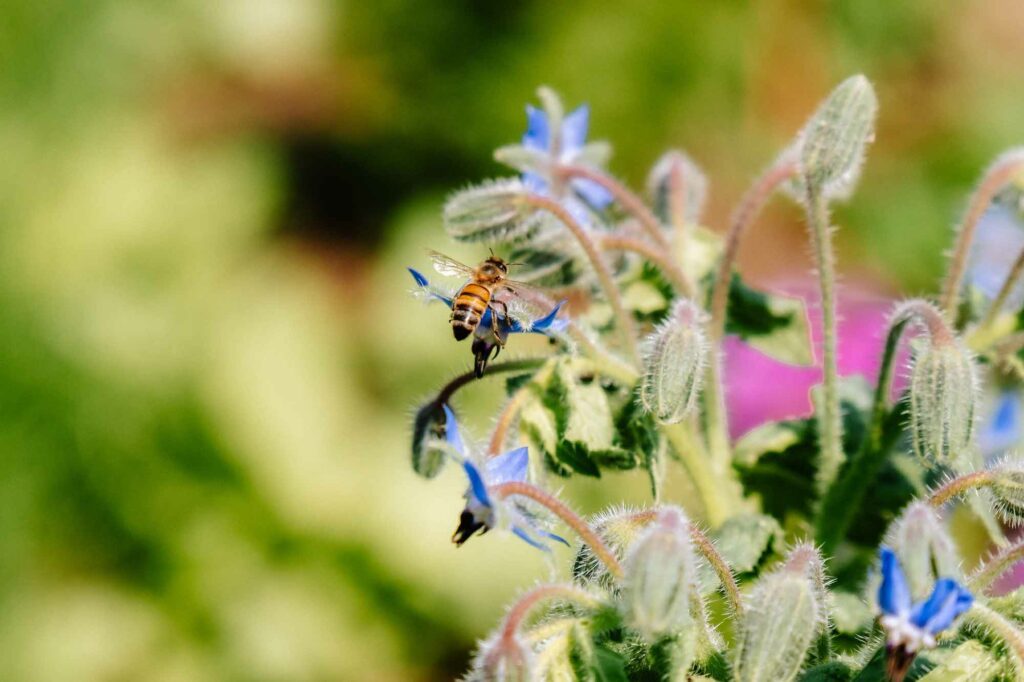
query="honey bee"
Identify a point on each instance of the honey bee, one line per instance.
(476, 297)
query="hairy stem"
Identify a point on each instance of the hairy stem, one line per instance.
(831, 419)
(506, 418)
(629, 201)
(960, 485)
(571, 519)
(719, 492)
(986, 574)
(997, 176)
(623, 319)
(657, 255)
(750, 206)
(521, 609)
(449, 389)
(844, 497)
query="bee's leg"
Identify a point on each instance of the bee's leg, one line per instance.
(501, 324)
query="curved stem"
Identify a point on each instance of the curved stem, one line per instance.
(1004, 292)
(986, 574)
(571, 519)
(623, 319)
(924, 312)
(750, 206)
(449, 389)
(1003, 630)
(961, 484)
(629, 201)
(831, 420)
(521, 609)
(657, 255)
(506, 418)
(998, 175)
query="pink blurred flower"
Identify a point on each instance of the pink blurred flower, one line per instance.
(760, 389)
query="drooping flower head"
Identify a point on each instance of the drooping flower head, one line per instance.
(483, 511)
(910, 627)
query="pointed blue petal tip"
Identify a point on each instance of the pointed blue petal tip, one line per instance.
(420, 279)
(893, 593)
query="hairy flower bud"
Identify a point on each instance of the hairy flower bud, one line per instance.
(677, 188)
(1008, 492)
(502, 658)
(834, 140)
(674, 358)
(785, 611)
(924, 547)
(943, 392)
(492, 212)
(429, 451)
(660, 577)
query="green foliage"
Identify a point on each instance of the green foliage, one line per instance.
(775, 325)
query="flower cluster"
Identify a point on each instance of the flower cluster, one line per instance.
(814, 547)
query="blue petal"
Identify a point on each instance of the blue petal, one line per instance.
(592, 193)
(537, 135)
(998, 240)
(542, 324)
(574, 129)
(519, 531)
(556, 538)
(1003, 430)
(535, 183)
(947, 601)
(451, 431)
(893, 593)
(423, 283)
(477, 487)
(510, 466)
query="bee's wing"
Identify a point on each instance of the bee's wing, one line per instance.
(521, 288)
(449, 266)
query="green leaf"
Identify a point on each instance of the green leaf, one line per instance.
(608, 666)
(744, 541)
(773, 324)
(574, 456)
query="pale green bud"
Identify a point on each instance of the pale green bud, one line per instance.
(784, 613)
(943, 393)
(678, 188)
(674, 358)
(924, 547)
(1008, 491)
(428, 445)
(660, 577)
(522, 158)
(834, 140)
(618, 528)
(496, 211)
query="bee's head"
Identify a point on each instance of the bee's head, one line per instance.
(494, 267)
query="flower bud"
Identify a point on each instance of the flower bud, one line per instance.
(943, 392)
(674, 357)
(784, 613)
(429, 451)
(660, 577)
(677, 188)
(503, 658)
(924, 548)
(618, 528)
(834, 140)
(495, 211)
(1008, 491)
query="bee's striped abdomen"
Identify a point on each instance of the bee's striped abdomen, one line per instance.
(468, 308)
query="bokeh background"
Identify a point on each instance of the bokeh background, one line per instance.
(208, 354)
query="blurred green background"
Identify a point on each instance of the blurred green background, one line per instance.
(208, 354)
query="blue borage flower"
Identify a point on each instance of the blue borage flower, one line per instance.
(1003, 429)
(911, 627)
(484, 511)
(999, 238)
(548, 324)
(567, 149)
